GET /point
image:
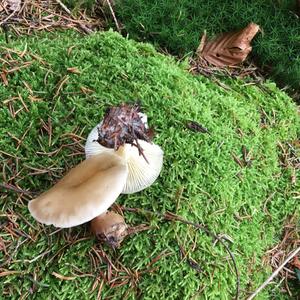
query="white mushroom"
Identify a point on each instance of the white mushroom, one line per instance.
(128, 164)
(141, 173)
(87, 191)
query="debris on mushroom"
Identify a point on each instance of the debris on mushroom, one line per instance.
(124, 129)
(109, 228)
(87, 191)
(122, 124)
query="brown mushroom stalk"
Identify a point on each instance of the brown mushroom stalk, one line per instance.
(109, 228)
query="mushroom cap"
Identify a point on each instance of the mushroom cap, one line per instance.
(141, 173)
(85, 192)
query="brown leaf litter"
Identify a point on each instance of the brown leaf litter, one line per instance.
(224, 54)
(123, 124)
(228, 49)
(290, 240)
(23, 17)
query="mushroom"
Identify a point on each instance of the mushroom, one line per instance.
(141, 173)
(143, 169)
(86, 192)
(127, 126)
(120, 159)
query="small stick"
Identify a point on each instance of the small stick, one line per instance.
(63, 7)
(274, 274)
(82, 26)
(114, 16)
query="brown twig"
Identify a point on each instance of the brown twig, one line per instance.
(113, 15)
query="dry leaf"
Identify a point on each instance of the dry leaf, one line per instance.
(230, 48)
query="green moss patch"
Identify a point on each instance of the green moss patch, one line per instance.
(46, 109)
(178, 27)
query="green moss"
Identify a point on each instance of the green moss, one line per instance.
(178, 27)
(200, 165)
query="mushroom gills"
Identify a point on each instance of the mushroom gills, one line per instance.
(141, 173)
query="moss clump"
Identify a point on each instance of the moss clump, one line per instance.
(177, 28)
(200, 180)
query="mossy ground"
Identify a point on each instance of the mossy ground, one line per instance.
(177, 26)
(200, 179)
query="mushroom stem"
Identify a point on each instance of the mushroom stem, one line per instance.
(109, 228)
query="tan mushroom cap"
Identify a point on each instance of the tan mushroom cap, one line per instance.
(87, 191)
(141, 173)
